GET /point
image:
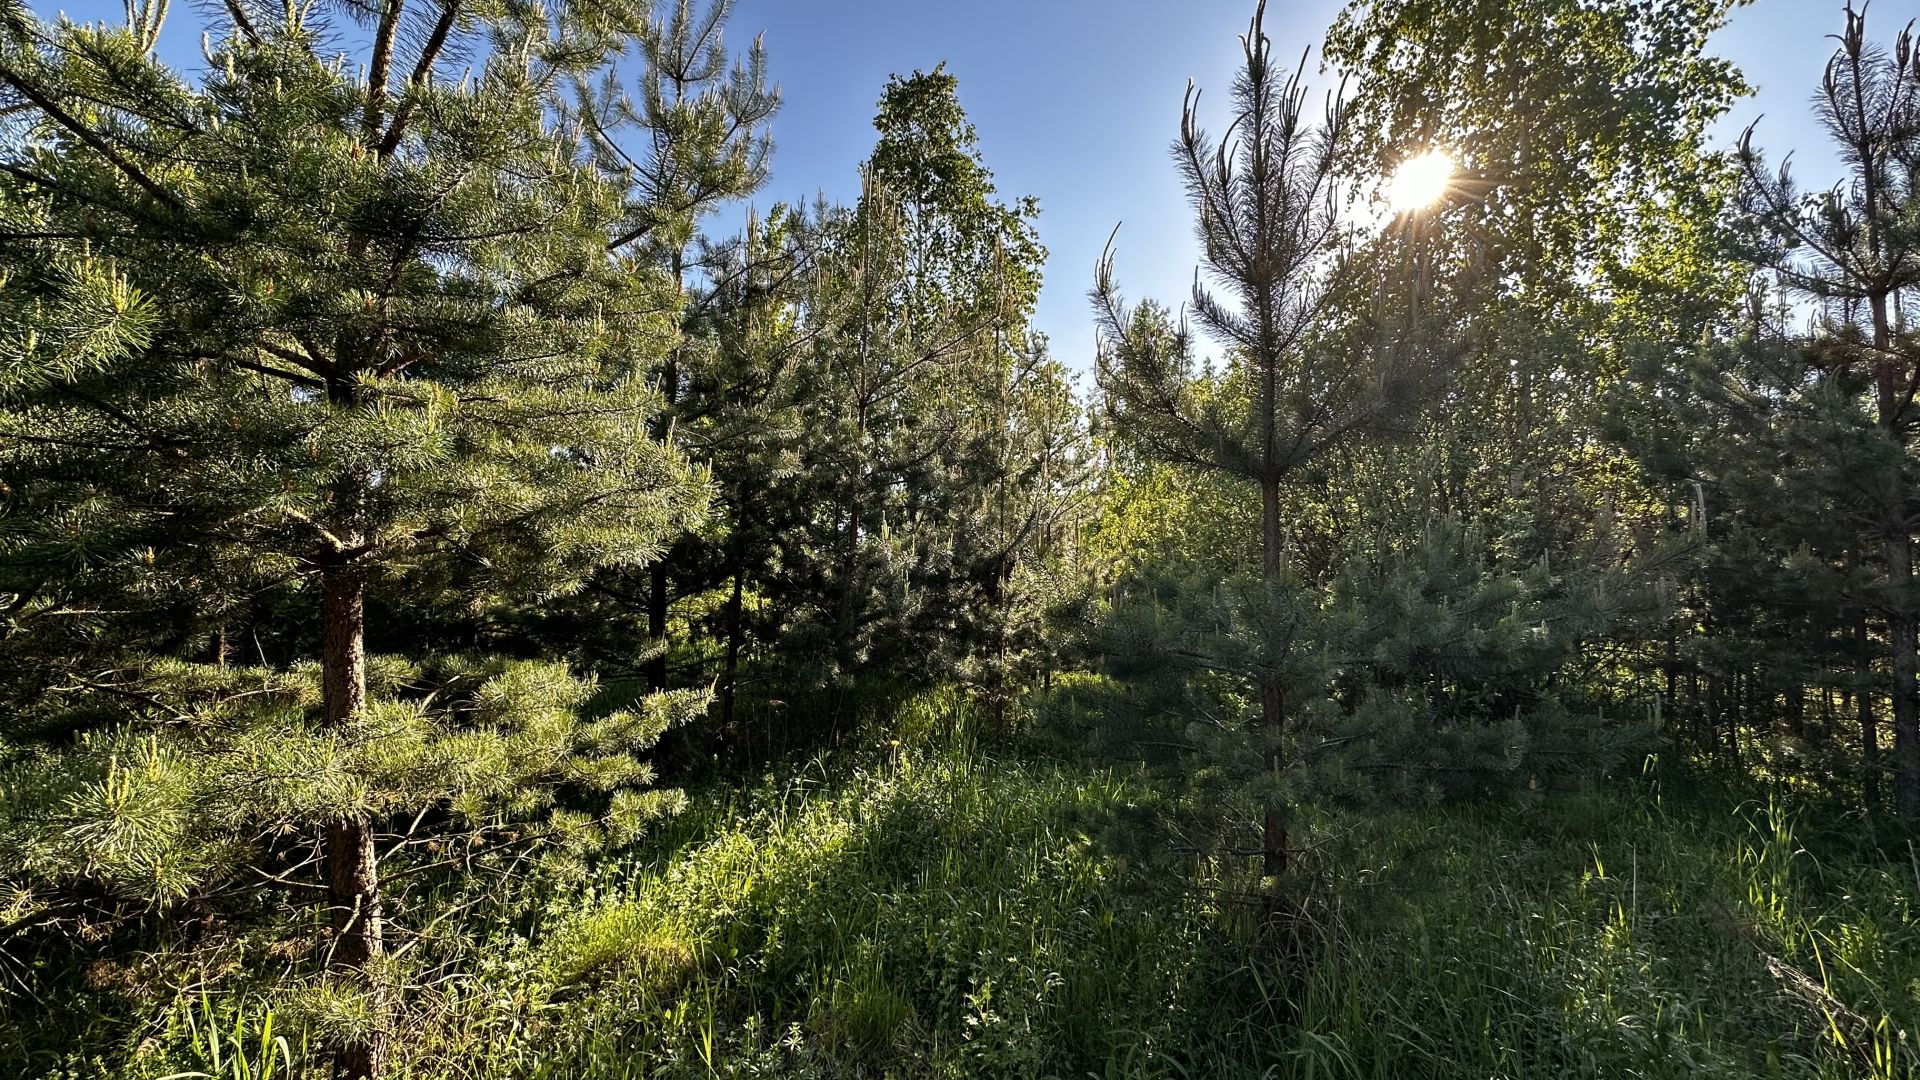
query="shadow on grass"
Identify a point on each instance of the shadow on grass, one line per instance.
(939, 915)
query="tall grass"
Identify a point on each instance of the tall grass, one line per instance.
(243, 1046)
(935, 909)
(1613, 935)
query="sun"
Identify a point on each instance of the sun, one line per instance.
(1420, 181)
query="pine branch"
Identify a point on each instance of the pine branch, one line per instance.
(308, 361)
(422, 75)
(335, 546)
(87, 135)
(238, 13)
(81, 682)
(171, 448)
(377, 68)
(279, 373)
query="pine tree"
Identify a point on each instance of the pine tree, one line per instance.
(1293, 390)
(694, 141)
(742, 414)
(329, 329)
(1026, 463)
(1780, 588)
(1849, 254)
(923, 393)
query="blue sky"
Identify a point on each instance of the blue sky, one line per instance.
(1076, 102)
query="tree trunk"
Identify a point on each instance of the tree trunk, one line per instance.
(1736, 714)
(1710, 717)
(1906, 708)
(352, 863)
(736, 630)
(1869, 749)
(657, 598)
(1273, 716)
(658, 583)
(849, 546)
(1696, 706)
(1002, 599)
(1673, 681)
(1273, 824)
(1869, 716)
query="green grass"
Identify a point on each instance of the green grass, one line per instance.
(1617, 934)
(945, 911)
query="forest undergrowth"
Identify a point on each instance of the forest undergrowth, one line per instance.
(921, 906)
